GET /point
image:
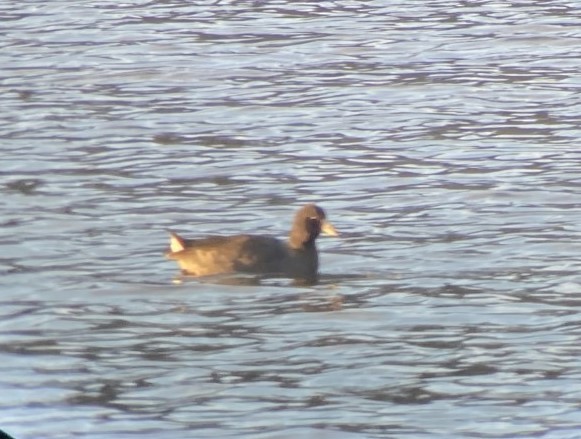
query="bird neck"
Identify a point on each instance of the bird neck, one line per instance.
(296, 243)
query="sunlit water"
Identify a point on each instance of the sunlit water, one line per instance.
(442, 139)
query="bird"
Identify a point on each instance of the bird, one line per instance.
(257, 254)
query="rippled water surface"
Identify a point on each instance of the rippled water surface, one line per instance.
(441, 137)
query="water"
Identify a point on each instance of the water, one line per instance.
(441, 138)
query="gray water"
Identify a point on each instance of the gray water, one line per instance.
(441, 137)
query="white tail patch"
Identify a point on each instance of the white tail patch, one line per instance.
(176, 244)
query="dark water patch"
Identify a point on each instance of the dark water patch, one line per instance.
(24, 186)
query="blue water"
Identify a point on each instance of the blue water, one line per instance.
(442, 140)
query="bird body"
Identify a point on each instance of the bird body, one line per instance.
(257, 254)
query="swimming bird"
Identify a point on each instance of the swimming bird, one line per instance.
(258, 254)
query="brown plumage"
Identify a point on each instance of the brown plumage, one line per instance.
(257, 254)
